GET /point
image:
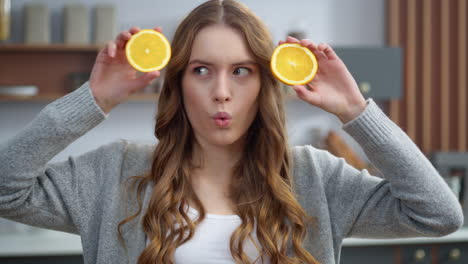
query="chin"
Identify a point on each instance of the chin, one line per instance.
(224, 140)
(224, 137)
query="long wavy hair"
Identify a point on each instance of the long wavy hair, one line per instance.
(262, 187)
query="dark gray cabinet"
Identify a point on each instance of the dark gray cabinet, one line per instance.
(417, 254)
(73, 259)
(442, 253)
(377, 70)
(456, 253)
(371, 254)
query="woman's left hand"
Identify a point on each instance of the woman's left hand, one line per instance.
(333, 88)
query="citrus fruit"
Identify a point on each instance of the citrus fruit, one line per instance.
(148, 50)
(293, 64)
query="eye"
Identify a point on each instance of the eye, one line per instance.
(242, 71)
(200, 70)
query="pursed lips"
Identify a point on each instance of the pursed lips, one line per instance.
(222, 119)
(222, 115)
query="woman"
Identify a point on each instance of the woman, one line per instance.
(222, 185)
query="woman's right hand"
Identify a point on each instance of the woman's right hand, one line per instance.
(113, 79)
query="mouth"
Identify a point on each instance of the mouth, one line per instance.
(222, 119)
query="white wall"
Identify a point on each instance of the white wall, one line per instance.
(340, 22)
(357, 22)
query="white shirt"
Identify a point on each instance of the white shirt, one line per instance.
(210, 243)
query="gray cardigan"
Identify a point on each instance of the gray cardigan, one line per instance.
(84, 194)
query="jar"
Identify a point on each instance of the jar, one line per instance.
(4, 19)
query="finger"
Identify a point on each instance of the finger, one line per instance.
(103, 54)
(311, 97)
(111, 49)
(322, 46)
(159, 29)
(147, 77)
(310, 86)
(292, 40)
(124, 35)
(320, 55)
(134, 30)
(281, 42)
(309, 44)
(122, 38)
(327, 49)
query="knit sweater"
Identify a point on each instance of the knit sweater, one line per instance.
(84, 195)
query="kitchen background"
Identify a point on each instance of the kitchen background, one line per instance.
(352, 26)
(344, 23)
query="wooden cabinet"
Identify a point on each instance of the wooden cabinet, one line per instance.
(49, 67)
(46, 66)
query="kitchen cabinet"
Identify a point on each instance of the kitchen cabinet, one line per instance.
(377, 70)
(417, 254)
(371, 254)
(449, 253)
(451, 249)
(456, 253)
(55, 69)
(48, 67)
(74, 259)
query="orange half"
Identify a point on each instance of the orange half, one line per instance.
(148, 50)
(293, 64)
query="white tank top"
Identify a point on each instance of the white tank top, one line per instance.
(210, 242)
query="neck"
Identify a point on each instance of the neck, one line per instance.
(217, 163)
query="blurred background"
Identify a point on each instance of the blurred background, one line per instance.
(410, 56)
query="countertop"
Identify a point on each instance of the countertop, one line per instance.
(456, 237)
(50, 243)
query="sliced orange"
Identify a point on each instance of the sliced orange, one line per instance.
(293, 64)
(148, 50)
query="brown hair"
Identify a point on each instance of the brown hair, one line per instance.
(266, 198)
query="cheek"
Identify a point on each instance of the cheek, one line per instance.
(188, 91)
(251, 94)
(192, 98)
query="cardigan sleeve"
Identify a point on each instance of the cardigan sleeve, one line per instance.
(34, 192)
(411, 199)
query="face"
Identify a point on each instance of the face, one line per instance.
(220, 87)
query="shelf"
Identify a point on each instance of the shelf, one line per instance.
(29, 98)
(53, 97)
(50, 48)
(133, 98)
(144, 97)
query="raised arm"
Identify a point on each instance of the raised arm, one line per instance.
(412, 200)
(35, 192)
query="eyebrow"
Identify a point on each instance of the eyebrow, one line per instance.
(209, 63)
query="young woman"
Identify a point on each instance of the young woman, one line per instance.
(220, 192)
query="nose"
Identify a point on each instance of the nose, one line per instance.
(222, 92)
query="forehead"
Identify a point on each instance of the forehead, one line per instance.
(220, 44)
